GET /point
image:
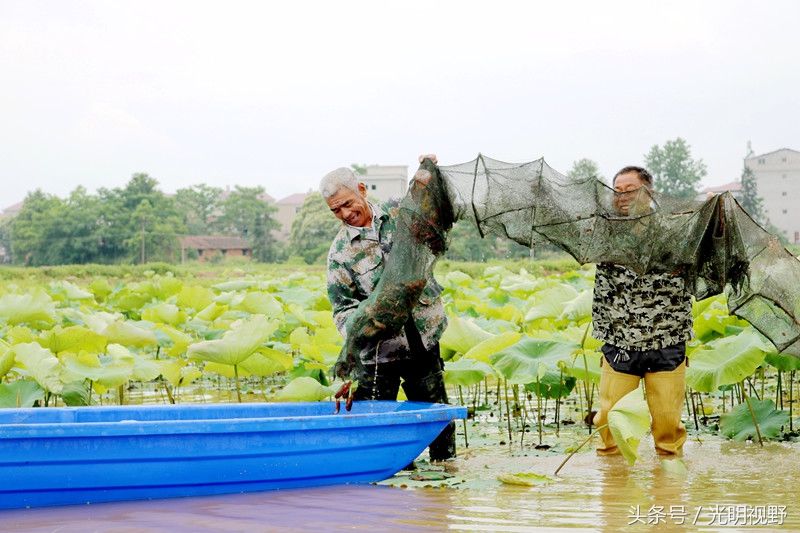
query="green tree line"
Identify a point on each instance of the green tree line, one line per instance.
(138, 222)
(135, 223)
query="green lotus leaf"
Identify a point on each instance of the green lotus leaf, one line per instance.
(129, 299)
(322, 319)
(195, 297)
(718, 301)
(579, 309)
(236, 345)
(328, 335)
(552, 385)
(522, 284)
(100, 320)
(304, 389)
(20, 335)
(34, 307)
(164, 313)
(726, 360)
(466, 372)
(40, 364)
(75, 393)
(675, 468)
(299, 337)
(462, 334)
(64, 290)
(300, 296)
(260, 303)
(585, 366)
(457, 278)
(211, 312)
(144, 368)
(737, 424)
(525, 479)
(487, 348)
(101, 288)
(107, 371)
(783, 362)
(550, 302)
(6, 359)
(166, 286)
(628, 422)
(266, 362)
(179, 340)
(21, 393)
(171, 370)
(530, 359)
(72, 339)
(236, 285)
(128, 334)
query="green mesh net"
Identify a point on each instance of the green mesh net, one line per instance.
(714, 244)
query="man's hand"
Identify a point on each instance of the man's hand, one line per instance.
(432, 157)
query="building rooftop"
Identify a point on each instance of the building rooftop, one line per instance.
(773, 152)
(733, 186)
(293, 199)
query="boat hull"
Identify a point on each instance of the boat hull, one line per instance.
(62, 456)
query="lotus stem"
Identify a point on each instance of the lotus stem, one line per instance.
(752, 414)
(236, 376)
(694, 410)
(508, 410)
(791, 401)
(461, 397)
(573, 452)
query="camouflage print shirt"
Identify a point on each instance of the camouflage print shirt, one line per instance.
(635, 312)
(355, 263)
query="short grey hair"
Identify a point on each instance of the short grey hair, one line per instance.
(335, 180)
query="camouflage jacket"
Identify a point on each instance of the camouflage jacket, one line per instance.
(355, 263)
(636, 312)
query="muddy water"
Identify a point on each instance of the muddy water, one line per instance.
(723, 482)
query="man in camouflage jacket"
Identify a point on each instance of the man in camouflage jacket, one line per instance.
(355, 264)
(645, 322)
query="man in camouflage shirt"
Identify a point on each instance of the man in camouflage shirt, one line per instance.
(355, 263)
(645, 322)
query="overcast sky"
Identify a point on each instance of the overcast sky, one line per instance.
(278, 93)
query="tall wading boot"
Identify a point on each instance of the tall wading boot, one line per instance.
(665, 396)
(613, 386)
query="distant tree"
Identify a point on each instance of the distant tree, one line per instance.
(313, 229)
(197, 205)
(751, 201)
(245, 214)
(139, 212)
(674, 170)
(585, 169)
(34, 229)
(360, 170)
(465, 244)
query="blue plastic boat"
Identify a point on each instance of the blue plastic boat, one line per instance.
(62, 456)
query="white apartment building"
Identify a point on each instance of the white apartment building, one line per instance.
(386, 181)
(778, 180)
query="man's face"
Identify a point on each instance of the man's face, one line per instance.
(351, 207)
(629, 197)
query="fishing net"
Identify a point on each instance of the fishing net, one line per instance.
(714, 244)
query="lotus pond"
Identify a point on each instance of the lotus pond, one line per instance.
(519, 354)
